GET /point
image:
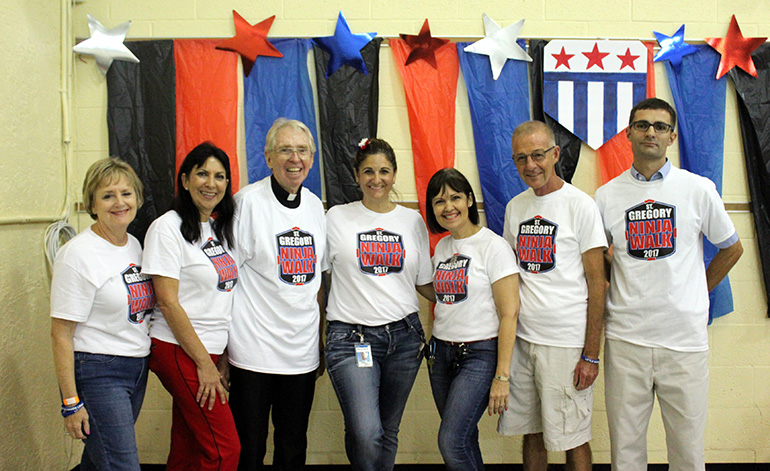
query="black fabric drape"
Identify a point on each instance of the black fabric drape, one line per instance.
(347, 108)
(568, 142)
(141, 119)
(754, 113)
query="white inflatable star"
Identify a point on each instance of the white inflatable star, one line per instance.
(106, 45)
(499, 44)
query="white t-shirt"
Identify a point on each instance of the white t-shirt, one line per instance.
(465, 271)
(658, 294)
(207, 275)
(281, 255)
(549, 235)
(99, 286)
(376, 260)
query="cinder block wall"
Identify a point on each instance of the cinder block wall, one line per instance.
(738, 424)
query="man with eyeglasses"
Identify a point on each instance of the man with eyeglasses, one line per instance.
(557, 234)
(655, 216)
(280, 234)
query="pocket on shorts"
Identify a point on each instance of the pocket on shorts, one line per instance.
(577, 408)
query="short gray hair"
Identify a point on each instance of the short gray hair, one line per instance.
(529, 127)
(281, 123)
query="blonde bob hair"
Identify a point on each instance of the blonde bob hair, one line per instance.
(103, 172)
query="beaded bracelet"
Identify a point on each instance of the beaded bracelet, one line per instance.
(67, 411)
(593, 361)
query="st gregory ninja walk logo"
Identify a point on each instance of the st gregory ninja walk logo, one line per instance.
(296, 256)
(536, 245)
(223, 262)
(451, 279)
(380, 252)
(141, 296)
(651, 230)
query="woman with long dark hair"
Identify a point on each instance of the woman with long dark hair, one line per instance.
(187, 254)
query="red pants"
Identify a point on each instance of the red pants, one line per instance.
(201, 439)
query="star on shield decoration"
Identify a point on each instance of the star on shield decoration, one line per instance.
(106, 45)
(499, 44)
(735, 50)
(423, 45)
(250, 41)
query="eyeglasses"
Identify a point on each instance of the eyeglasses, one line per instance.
(521, 159)
(289, 151)
(453, 369)
(643, 126)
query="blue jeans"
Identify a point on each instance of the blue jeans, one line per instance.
(373, 398)
(112, 389)
(461, 399)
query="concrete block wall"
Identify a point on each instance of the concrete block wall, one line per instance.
(738, 427)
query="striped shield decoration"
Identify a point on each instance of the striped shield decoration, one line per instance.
(590, 86)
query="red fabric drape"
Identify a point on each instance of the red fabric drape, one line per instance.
(615, 155)
(430, 102)
(206, 99)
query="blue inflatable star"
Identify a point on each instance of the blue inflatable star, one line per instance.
(673, 48)
(344, 47)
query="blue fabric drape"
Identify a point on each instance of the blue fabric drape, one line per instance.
(700, 105)
(497, 107)
(279, 87)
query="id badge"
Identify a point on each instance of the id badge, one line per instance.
(364, 355)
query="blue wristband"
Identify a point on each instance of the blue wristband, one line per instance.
(589, 360)
(67, 411)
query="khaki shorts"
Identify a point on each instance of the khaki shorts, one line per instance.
(543, 398)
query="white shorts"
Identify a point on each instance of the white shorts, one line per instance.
(543, 397)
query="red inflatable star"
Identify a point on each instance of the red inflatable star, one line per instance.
(250, 41)
(735, 50)
(423, 45)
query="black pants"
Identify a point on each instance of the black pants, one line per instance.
(252, 395)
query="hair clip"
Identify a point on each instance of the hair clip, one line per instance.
(363, 143)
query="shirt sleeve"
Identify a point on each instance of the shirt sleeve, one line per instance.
(162, 252)
(324, 264)
(508, 234)
(72, 295)
(599, 200)
(717, 225)
(425, 274)
(591, 229)
(500, 260)
(243, 241)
